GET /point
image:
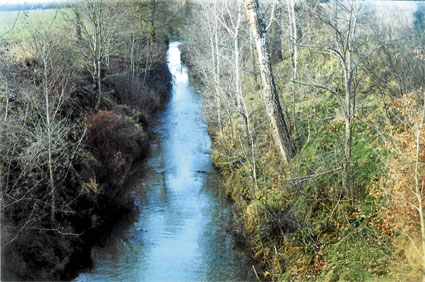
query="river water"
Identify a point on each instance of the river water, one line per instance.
(181, 232)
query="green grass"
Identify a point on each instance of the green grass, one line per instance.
(17, 25)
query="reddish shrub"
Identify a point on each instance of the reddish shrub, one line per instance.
(116, 141)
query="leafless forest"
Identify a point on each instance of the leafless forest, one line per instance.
(315, 109)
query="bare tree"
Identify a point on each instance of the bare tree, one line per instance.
(43, 48)
(234, 30)
(36, 155)
(96, 23)
(342, 21)
(293, 37)
(279, 123)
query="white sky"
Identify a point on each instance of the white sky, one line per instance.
(2, 2)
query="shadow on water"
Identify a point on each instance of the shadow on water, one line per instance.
(181, 229)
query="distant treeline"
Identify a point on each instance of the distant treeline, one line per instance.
(31, 6)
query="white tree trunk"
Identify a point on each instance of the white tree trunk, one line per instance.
(419, 188)
(271, 99)
(49, 135)
(7, 101)
(294, 55)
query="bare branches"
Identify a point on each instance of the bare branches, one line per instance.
(97, 22)
(12, 28)
(324, 87)
(302, 179)
(272, 14)
(22, 228)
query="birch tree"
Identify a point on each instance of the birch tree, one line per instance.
(96, 23)
(279, 122)
(234, 29)
(342, 20)
(293, 38)
(37, 154)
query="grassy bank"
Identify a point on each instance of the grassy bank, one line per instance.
(299, 220)
(298, 224)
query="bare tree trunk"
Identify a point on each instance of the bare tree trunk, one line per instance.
(237, 73)
(347, 149)
(251, 49)
(99, 84)
(49, 137)
(107, 53)
(418, 189)
(350, 101)
(132, 56)
(94, 84)
(216, 62)
(7, 101)
(274, 109)
(346, 66)
(294, 55)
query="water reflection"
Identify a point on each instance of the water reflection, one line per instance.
(180, 233)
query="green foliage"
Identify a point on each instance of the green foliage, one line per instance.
(355, 257)
(367, 166)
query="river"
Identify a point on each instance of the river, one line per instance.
(181, 230)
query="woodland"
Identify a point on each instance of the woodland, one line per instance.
(317, 113)
(80, 87)
(316, 110)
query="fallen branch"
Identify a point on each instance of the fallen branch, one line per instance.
(302, 179)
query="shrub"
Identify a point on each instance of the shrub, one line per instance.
(116, 141)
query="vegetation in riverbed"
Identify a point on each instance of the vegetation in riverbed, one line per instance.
(348, 205)
(79, 90)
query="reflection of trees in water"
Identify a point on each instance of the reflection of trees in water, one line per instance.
(419, 22)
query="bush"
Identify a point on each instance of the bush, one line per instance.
(116, 141)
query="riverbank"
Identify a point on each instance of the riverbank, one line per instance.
(181, 232)
(301, 228)
(347, 205)
(93, 196)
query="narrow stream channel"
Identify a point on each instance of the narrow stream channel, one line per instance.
(180, 233)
